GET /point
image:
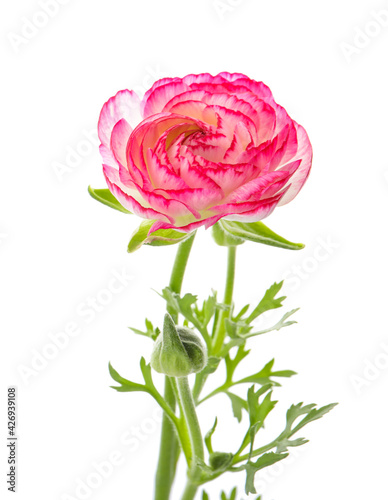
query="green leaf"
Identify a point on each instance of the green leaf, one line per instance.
(205, 496)
(241, 313)
(233, 495)
(263, 377)
(282, 323)
(150, 332)
(146, 371)
(238, 405)
(258, 233)
(225, 238)
(208, 309)
(126, 385)
(186, 306)
(208, 437)
(268, 302)
(252, 467)
(161, 237)
(232, 363)
(294, 412)
(105, 197)
(258, 412)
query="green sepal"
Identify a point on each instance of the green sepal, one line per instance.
(256, 232)
(105, 197)
(161, 237)
(220, 461)
(225, 238)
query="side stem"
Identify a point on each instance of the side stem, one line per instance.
(219, 330)
(219, 336)
(194, 473)
(169, 447)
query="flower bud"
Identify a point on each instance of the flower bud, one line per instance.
(219, 460)
(178, 351)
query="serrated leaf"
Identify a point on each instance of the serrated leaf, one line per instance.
(209, 308)
(125, 385)
(208, 437)
(294, 412)
(225, 238)
(268, 302)
(161, 237)
(237, 329)
(313, 414)
(146, 371)
(251, 468)
(105, 197)
(238, 405)
(150, 332)
(258, 233)
(263, 377)
(241, 313)
(232, 363)
(282, 323)
(258, 411)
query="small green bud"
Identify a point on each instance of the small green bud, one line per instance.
(178, 351)
(219, 460)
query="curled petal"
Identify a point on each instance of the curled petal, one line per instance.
(125, 104)
(305, 154)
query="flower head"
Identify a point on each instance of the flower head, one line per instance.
(201, 148)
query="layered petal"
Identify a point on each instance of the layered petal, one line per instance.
(200, 148)
(124, 105)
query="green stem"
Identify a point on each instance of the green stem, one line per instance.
(190, 415)
(190, 491)
(228, 298)
(183, 430)
(219, 321)
(178, 270)
(169, 448)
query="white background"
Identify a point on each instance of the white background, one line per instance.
(58, 246)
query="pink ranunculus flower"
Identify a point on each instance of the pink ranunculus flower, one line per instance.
(201, 148)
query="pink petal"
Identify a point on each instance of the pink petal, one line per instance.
(304, 153)
(161, 176)
(119, 139)
(203, 78)
(254, 189)
(125, 104)
(154, 102)
(190, 95)
(188, 228)
(249, 212)
(129, 198)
